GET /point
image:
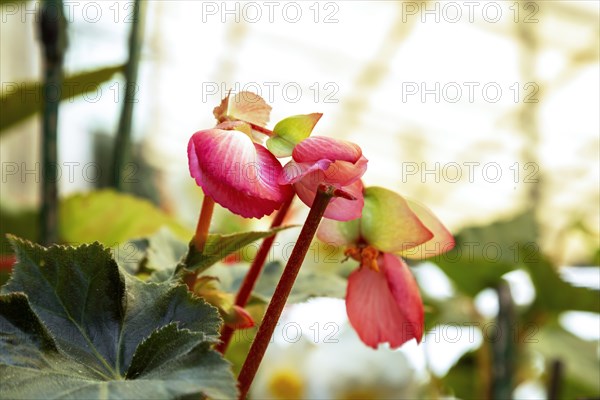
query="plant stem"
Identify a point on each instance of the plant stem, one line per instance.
(251, 277)
(208, 205)
(284, 287)
(503, 351)
(557, 371)
(53, 37)
(123, 139)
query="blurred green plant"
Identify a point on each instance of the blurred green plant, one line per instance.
(481, 258)
(15, 109)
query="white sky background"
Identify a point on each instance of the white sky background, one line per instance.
(356, 62)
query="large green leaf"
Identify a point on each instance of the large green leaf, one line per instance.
(111, 218)
(155, 256)
(554, 294)
(22, 223)
(73, 326)
(580, 358)
(483, 254)
(25, 99)
(12, 2)
(219, 246)
(83, 219)
(463, 380)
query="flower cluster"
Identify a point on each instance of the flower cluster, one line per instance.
(233, 166)
(236, 164)
(383, 301)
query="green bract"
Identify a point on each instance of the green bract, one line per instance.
(72, 325)
(220, 246)
(389, 224)
(291, 131)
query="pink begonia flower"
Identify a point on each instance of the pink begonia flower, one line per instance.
(236, 172)
(338, 163)
(382, 299)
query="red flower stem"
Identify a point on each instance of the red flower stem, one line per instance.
(251, 277)
(284, 287)
(208, 205)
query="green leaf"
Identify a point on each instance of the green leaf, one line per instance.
(218, 247)
(291, 131)
(572, 388)
(464, 380)
(555, 295)
(84, 218)
(20, 101)
(484, 253)
(156, 255)
(13, 2)
(20, 325)
(579, 356)
(23, 223)
(90, 331)
(171, 355)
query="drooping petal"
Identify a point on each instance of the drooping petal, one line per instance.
(442, 240)
(325, 148)
(385, 306)
(322, 160)
(405, 290)
(237, 173)
(237, 202)
(294, 171)
(389, 224)
(345, 172)
(339, 209)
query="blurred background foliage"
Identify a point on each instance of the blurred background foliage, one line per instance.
(512, 311)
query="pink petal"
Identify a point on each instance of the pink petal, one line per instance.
(293, 171)
(339, 208)
(342, 209)
(237, 173)
(385, 306)
(325, 148)
(345, 172)
(442, 240)
(238, 202)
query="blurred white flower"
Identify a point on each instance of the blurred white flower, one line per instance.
(344, 370)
